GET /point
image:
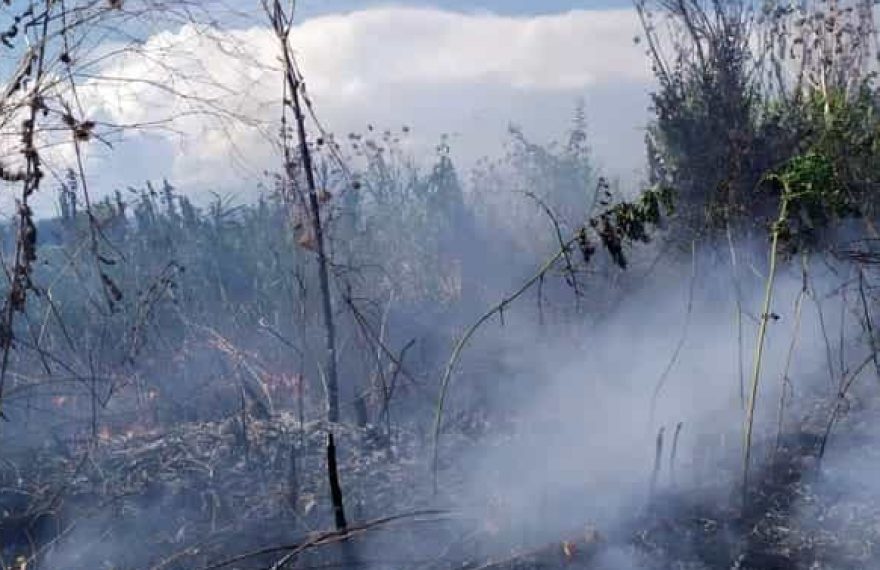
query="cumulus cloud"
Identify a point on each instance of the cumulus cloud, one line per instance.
(436, 71)
(432, 47)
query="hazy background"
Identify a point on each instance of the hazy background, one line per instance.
(467, 70)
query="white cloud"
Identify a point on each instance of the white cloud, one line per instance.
(437, 71)
(425, 47)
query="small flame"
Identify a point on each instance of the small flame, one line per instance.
(59, 401)
(135, 430)
(104, 433)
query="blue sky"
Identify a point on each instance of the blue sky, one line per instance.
(524, 7)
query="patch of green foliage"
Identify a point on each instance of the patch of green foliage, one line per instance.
(722, 130)
(627, 222)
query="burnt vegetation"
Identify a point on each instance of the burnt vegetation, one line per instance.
(370, 359)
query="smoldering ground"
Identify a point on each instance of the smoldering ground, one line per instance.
(588, 402)
(551, 433)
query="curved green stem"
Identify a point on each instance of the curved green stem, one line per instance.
(463, 340)
(762, 335)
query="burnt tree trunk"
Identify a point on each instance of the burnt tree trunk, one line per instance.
(293, 100)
